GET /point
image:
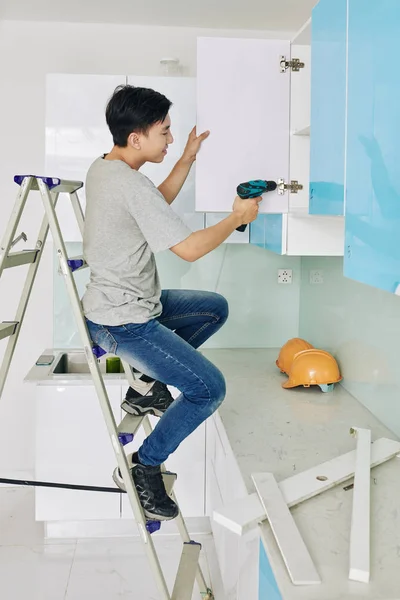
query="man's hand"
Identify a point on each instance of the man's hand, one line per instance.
(246, 209)
(193, 146)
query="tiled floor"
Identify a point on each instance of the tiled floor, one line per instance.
(32, 568)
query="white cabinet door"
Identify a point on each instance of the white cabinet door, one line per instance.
(182, 93)
(76, 132)
(73, 446)
(243, 99)
(188, 462)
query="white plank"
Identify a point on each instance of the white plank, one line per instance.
(305, 485)
(241, 515)
(360, 519)
(291, 545)
(227, 106)
(244, 514)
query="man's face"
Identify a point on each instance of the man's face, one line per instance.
(155, 144)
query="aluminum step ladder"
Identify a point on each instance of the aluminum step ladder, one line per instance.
(50, 188)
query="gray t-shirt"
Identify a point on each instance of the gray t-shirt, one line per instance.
(127, 220)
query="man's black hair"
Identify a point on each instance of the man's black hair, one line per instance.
(134, 109)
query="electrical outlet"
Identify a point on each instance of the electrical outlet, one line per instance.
(316, 276)
(285, 275)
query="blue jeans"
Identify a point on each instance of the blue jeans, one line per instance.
(165, 349)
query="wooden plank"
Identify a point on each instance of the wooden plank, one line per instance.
(360, 519)
(291, 545)
(244, 514)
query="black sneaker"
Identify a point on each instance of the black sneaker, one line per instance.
(155, 402)
(157, 505)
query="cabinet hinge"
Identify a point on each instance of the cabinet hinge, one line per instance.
(295, 64)
(293, 187)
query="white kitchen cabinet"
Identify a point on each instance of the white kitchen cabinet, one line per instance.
(243, 99)
(260, 114)
(76, 132)
(73, 446)
(237, 556)
(181, 91)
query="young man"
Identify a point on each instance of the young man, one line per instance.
(157, 332)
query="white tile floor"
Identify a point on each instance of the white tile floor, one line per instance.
(32, 568)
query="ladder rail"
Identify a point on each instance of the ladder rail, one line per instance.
(180, 522)
(30, 277)
(102, 392)
(76, 205)
(13, 222)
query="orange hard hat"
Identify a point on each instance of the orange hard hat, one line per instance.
(313, 367)
(289, 351)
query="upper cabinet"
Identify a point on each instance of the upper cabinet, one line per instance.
(254, 97)
(328, 107)
(372, 246)
(181, 91)
(243, 99)
(76, 132)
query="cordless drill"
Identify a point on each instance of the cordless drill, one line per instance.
(253, 189)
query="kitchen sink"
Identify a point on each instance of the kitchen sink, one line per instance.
(76, 363)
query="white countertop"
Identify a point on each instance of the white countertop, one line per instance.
(288, 431)
(77, 370)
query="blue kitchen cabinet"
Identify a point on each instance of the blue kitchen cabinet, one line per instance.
(268, 232)
(328, 107)
(275, 233)
(257, 231)
(372, 208)
(267, 586)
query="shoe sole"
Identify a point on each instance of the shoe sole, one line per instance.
(120, 484)
(139, 411)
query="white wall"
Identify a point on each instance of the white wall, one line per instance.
(27, 52)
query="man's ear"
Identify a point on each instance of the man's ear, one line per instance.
(134, 141)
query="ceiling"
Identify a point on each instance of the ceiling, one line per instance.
(284, 15)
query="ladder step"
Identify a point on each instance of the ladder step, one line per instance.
(25, 257)
(7, 328)
(130, 424)
(53, 183)
(185, 578)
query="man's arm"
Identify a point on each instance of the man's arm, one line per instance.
(171, 187)
(200, 243)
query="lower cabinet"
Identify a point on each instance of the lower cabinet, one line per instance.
(237, 556)
(73, 446)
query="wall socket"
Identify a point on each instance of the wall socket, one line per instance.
(316, 276)
(285, 275)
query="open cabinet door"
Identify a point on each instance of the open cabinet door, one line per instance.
(243, 99)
